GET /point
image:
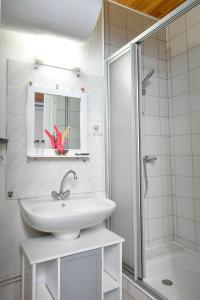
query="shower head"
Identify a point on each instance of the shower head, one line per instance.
(144, 81)
(147, 76)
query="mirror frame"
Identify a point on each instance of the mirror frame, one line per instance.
(30, 118)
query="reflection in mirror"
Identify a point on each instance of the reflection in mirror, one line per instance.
(57, 110)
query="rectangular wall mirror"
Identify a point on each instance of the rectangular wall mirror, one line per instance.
(49, 110)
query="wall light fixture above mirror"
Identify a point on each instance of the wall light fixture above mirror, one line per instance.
(56, 122)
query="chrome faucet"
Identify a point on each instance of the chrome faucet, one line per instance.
(64, 195)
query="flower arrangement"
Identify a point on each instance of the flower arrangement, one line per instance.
(58, 139)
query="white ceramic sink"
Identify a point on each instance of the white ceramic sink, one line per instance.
(65, 219)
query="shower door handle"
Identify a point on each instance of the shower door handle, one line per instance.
(147, 159)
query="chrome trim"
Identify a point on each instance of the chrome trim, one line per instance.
(118, 53)
(135, 147)
(107, 139)
(10, 280)
(143, 287)
(64, 195)
(178, 12)
(138, 199)
(39, 63)
(107, 134)
(127, 269)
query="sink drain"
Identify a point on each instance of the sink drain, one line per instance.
(167, 282)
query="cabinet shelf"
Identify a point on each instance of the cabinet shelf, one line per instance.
(42, 292)
(109, 282)
(88, 268)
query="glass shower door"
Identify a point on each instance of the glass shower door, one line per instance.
(122, 149)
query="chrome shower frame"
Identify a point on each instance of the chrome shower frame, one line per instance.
(134, 47)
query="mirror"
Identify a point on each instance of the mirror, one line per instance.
(52, 111)
(57, 110)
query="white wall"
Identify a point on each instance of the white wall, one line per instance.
(37, 178)
(40, 177)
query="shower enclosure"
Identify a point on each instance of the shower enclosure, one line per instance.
(153, 154)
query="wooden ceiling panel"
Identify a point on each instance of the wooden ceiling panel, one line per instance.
(154, 8)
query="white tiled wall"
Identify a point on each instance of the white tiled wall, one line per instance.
(183, 42)
(39, 177)
(156, 141)
(122, 25)
(18, 51)
(172, 133)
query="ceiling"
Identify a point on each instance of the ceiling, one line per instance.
(74, 19)
(155, 8)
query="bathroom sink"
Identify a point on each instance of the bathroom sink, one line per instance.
(65, 219)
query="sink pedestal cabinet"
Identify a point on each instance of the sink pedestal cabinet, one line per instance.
(88, 268)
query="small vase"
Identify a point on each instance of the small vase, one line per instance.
(61, 153)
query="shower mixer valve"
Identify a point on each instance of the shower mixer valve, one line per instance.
(147, 159)
(150, 159)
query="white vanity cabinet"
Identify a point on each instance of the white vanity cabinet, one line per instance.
(88, 268)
